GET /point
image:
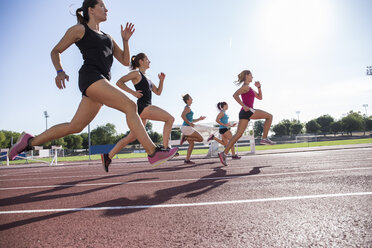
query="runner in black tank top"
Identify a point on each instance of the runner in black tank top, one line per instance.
(145, 86)
(98, 50)
(143, 92)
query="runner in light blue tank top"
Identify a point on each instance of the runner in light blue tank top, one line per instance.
(189, 134)
(224, 129)
(189, 116)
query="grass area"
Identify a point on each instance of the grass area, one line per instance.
(204, 151)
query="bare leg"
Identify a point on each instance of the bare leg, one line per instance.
(243, 123)
(103, 92)
(226, 137)
(189, 150)
(85, 113)
(124, 142)
(157, 114)
(195, 136)
(220, 141)
(260, 114)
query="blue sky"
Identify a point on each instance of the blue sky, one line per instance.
(309, 55)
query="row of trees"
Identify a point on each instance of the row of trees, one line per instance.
(101, 135)
(325, 124)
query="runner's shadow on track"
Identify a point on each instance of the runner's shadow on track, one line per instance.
(193, 189)
(51, 194)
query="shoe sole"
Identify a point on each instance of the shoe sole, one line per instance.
(159, 162)
(18, 141)
(221, 160)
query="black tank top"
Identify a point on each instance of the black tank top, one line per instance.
(97, 50)
(146, 88)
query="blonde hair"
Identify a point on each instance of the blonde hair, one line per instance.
(241, 77)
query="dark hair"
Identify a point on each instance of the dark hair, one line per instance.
(185, 98)
(134, 62)
(220, 105)
(241, 77)
(84, 18)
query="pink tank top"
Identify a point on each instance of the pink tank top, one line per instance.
(248, 98)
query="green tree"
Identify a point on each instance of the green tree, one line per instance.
(8, 138)
(2, 139)
(368, 123)
(73, 141)
(325, 122)
(287, 123)
(312, 127)
(336, 127)
(296, 128)
(352, 122)
(85, 138)
(258, 128)
(279, 130)
(56, 142)
(103, 135)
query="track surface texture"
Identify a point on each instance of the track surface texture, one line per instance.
(319, 197)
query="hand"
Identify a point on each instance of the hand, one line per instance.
(201, 118)
(234, 124)
(161, 76)
(192, 124)
(257, 84)
(60, 80)
(127, 32)
(246, 108)
(138, 94)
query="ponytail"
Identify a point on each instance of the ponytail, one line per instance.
(134, 62)
(241, 77)
(82, 14)
(220, 105)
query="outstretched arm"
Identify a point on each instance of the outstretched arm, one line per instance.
(71, 36)
(159, 89)
(124, 56)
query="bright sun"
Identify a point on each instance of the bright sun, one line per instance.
(294, 26)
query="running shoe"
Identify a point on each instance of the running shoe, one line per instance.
(188, 162)
(222, 157)
(106, 161)
(210, 138)
(267, 142)
(21, 145)
(175, 155)
(161, 155)
(235, 157)
(183, 139)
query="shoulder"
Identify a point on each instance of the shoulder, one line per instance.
(245, 88)
(77, 31)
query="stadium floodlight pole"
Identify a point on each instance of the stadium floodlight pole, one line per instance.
(46, 119)
(298, 115)
(365, 107)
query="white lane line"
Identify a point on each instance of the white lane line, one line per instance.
(287, 198)
(185, 179)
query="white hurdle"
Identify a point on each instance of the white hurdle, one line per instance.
(55, 150)
(6, 155)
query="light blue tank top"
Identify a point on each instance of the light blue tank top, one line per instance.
(189, 117)
(224, 119)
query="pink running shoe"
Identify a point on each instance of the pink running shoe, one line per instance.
(210, 138)
(161, 155)
(20, 146)
(236, 157)
(222, 157)
(267, 142)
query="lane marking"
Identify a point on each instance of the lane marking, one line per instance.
(287, 198)
(185, 179)
(160, 171)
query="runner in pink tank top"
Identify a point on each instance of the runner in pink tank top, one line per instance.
(245, 96)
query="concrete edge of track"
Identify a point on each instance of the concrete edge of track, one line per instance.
(194, 157)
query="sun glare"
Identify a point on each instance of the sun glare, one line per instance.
(294, 26)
